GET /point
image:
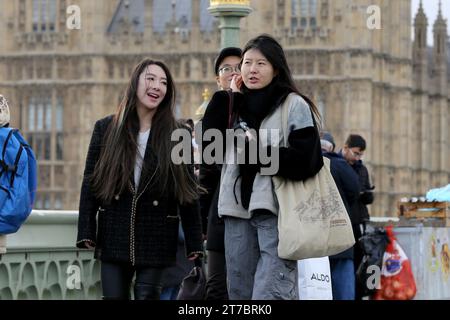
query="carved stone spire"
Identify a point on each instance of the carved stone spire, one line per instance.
(440, 52)
(420, 28)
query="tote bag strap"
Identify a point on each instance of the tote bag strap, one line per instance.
(285, 117)
(284, 124)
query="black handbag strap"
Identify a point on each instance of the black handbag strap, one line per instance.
(231, 114)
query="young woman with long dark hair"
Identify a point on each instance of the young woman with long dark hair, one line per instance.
(133, 194)
(246, 198)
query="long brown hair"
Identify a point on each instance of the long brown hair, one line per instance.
(113, 170)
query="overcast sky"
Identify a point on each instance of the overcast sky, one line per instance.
(431, 10)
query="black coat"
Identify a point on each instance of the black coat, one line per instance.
(348, 185)
(140, 227)
(359, 211)
(346, 179)
(213, 226)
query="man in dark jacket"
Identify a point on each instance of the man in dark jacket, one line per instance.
(341, 265)
(353, 151)
(226, 66)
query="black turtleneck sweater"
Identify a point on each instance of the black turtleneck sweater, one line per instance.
(257, 105)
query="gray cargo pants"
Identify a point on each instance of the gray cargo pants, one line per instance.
(254, 270)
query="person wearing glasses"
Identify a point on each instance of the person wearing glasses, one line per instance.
(353, 151)
(226, 67)
(247, 201)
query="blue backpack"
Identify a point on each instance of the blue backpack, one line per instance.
(18, 180)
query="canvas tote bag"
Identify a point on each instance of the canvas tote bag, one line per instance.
(312, 221)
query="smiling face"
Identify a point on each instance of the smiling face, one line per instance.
(257, 72)
(152, 88)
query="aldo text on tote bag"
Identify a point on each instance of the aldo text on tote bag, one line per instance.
(312, 221)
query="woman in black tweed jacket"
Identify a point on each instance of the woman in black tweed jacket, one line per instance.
(133, 194)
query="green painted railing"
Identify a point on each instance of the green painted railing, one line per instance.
(42, 261)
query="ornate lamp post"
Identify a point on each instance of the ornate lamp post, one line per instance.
(229, 13)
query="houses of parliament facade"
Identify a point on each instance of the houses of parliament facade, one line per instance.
(379, 83)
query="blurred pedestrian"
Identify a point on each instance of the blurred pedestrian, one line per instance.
(226, 66)
(18, 177)
(341, 265)
(353, 152)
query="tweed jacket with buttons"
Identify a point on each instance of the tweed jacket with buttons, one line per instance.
(139, 226)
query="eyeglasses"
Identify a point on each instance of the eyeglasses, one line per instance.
(230, 69)
(356, 154)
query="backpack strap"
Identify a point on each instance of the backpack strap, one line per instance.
(10, 133)
(5, 190)
(4, 166)
(16, 162)
(285, 117)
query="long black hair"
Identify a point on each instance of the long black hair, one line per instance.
(274, 53)
(113, 170)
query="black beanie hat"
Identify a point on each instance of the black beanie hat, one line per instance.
(226, 52)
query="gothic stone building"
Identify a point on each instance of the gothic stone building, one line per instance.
(379, 83)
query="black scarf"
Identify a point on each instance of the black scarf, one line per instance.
(257, 105)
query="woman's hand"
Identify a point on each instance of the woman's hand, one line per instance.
(89, 244)
(193, 257)
(236, 83)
